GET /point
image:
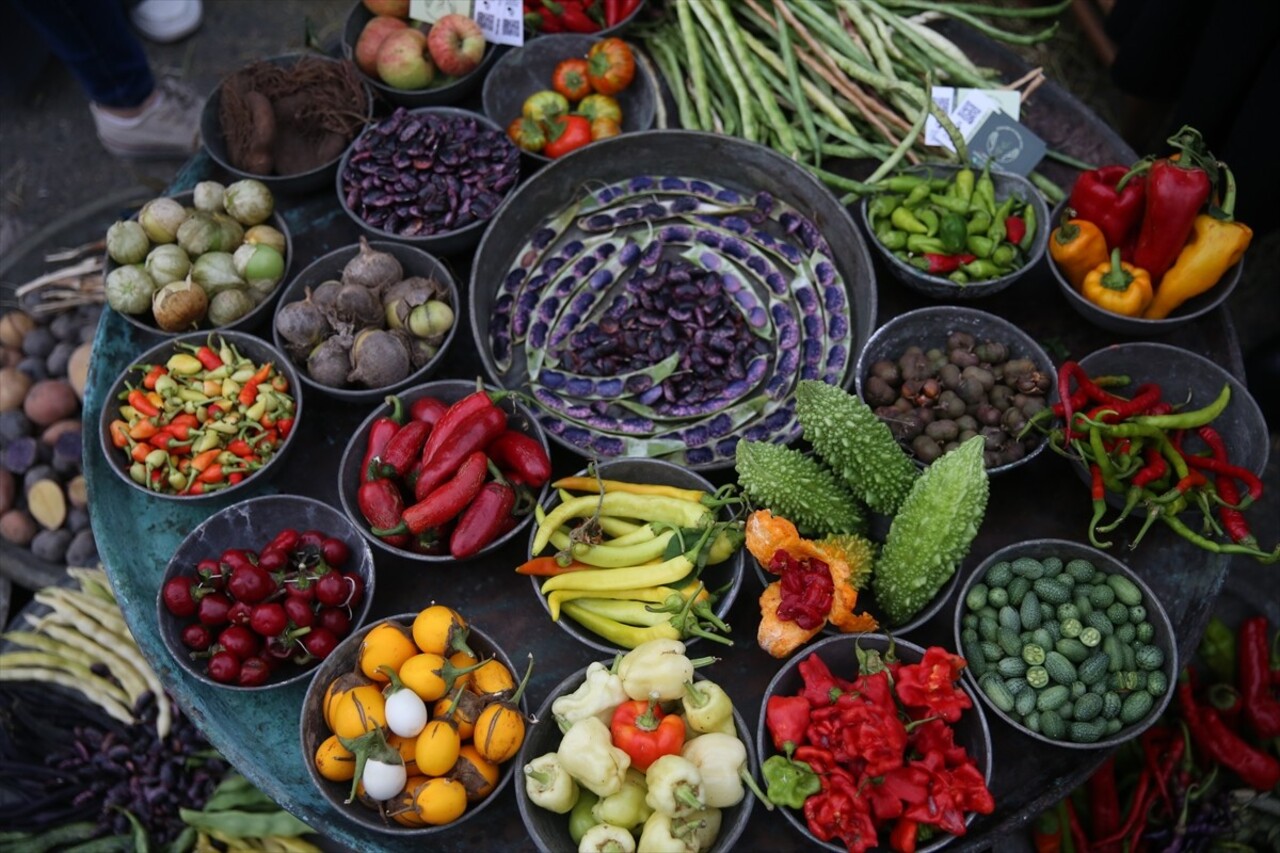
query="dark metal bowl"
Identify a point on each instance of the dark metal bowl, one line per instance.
(550, 831)
(459, 240)
(447, 391)
(1193, 308)
(297, 184)
(1066, 550)
(443, 91)
(724, 160)
(656, 472)
(247, 345)
(929, 327)
(940, 287)
(528, 69)
(313, 732)
(252, 524)
(416, 262)
(840, 655)
(253, 320)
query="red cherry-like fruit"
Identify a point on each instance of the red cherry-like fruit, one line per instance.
(254, 672)
(224, 667)
(197, 637)
(177, 595)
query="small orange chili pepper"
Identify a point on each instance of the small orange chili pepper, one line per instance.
(280, 382)
(143, 429)
(249, 392)
(140, 451)
(212, 474)
(119, 433)
(149, 381)
(202, 461)
(240, 448)
(211, 387)
(142, 403)
(195, 487)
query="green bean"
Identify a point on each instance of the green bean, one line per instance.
(764, 96)
(992, 11)
(908, 29)
(891, 162)
(835, 37)
(1068, 160)
(797, 93)
(872, 36)
(669, 65)
(750, 130)
(819, 98)
(953, 132)
(697, 71)
(1051, 191)
(723, 99)
(982, 26)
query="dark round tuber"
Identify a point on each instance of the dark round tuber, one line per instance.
(372, 269)
(52, 545)
(18, 527)
(378, 359)
(330, 362)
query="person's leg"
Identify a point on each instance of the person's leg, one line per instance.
(94, 39)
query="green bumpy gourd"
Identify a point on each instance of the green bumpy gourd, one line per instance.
(932, 532)
(798, 488)
(858, 446)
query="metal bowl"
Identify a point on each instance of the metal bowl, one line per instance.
(1138, 327)
(252, 524)
(1191, 381)
(723, 160)
(253, 320)
(416, 262)
(296, 184)
(622, 25)
(448, 391)
(940, 287)
(311, 726)
(443, 90)
(528, 69)
(550, 831)
(929, 327)
(1164, 638)
(457, 241)
(248, 346)
(656, 472)
(840, 655)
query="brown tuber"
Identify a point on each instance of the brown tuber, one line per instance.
(330, 362)
(14, 384)
(47, 504)
(49, 401)
(378, 359)
(372, 268)
(14, 326)
(78, 368)
(18, 527)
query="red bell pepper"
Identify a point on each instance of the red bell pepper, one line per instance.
(645, 732)
(1098, 197)
(523, 454)
(1177, 190)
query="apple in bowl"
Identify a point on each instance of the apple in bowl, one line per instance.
(456, 44)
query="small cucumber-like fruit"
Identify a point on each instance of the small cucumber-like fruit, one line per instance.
(1093, 670)
(1060, 669)
(1126, 590)
(1136, 706)
(1051, 591)
(995, 690)
(1052, 698)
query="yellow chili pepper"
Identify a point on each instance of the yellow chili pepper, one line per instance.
(184, 364)
(591, 484)
(1216, 245)
(1118, 287)
(631, 577)
(1077, 246)
(675, 511)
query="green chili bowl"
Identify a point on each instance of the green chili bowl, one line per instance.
(840, 654)
(249, 346)
(370, 814)
(940, 287)
(1119, 685)
(550, 831)
(724, 578)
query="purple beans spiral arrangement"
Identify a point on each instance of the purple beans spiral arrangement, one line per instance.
(670, 317)
(419, 174)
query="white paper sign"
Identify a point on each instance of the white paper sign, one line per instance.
(968, 109)
(501, 20)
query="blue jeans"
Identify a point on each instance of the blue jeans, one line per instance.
(96, 42)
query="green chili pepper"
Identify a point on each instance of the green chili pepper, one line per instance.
(963, 183)
(982, 269)
(1187, 420)
(1029, 219)
(952, 232)
(905, 220)
(951, 203)
(930, 218)
(979, 222)
(903, 183)
(891, 238)
(980, 245)
(789, 782)
(1004, 255)
(984, 192)
(916, 197)
(883, 205)
(920, 244)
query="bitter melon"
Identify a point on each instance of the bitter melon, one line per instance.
(932, 532)
(798, 488)
(858, 446)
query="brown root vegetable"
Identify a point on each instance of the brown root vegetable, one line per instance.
(302, 324)
(325, 294)
(78, 491)
(357, 306)
(17, 526)
(50, 400)
(378, 359)
(78, 368)
(373, 269)
(14, 326)
(58, 428)
(8, 489)
(14, 384)
(179, 305)
(258, 157)
(330, 362)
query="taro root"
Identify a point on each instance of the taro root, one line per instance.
(378, 359)
(330, 362)
(372, 269)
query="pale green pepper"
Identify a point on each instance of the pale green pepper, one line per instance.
(657, 667)
(549, 785)
(626, 808)
(600, 692)
(580, 817)
(675, 786)
(707, 706)
(607, 838)
(722, 763)
(660, 834)
(588, 755)
(701, 827)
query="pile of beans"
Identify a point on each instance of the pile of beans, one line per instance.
(935, 399)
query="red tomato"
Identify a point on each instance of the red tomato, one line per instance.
(566, 133)
(610, 66)
(570, 78)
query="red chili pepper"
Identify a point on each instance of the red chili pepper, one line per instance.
(153, 376)
(210, 359)
(514, 451)
(940, 264)
(612, 9)
(443, 431)
(445, 502)
(642, 730)
(240, 448)
(575, 18)
(283, 426)
(381, 505)
(483, 520)
(1254, 655)
(139, 401)
(1104, 800)
(1256, 769)
(626, 7)
(1015, 228)
(1067, 371)
(404, 448)
(1098, 198)
(381, 431)
(249, 392)
(428, 410)
(787, 718)
(1177, 190)
(1144, 397)
(474, 434)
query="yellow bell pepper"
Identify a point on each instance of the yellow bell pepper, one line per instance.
(1217, 243)
(1077, 246)
(1118, 287)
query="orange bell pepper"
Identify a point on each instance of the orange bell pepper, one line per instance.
(1077, 246)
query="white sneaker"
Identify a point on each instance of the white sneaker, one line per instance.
(166, 21)
(169, 126)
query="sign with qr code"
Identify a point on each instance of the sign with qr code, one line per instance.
(501, 20)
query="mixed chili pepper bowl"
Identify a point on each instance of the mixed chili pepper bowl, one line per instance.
(1192, 309)
(328, 267)
(352, 470)
(932, 328)
(252, 525)
(1127, 671)
(313, 730)
(1192, 382)
(626, 12)
(938, 259)
(550, 831)
(723, 579)
(839, 661)
(452, 92)
(173, 434)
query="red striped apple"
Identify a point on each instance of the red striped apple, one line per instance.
(403, 62)
(456, 43)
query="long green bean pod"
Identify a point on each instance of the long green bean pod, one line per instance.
(750, 130)
(750, 71)
(797, 92)
(697, 71)
(665, 57)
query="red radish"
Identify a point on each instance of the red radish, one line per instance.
(178, 595)
(224, 667)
